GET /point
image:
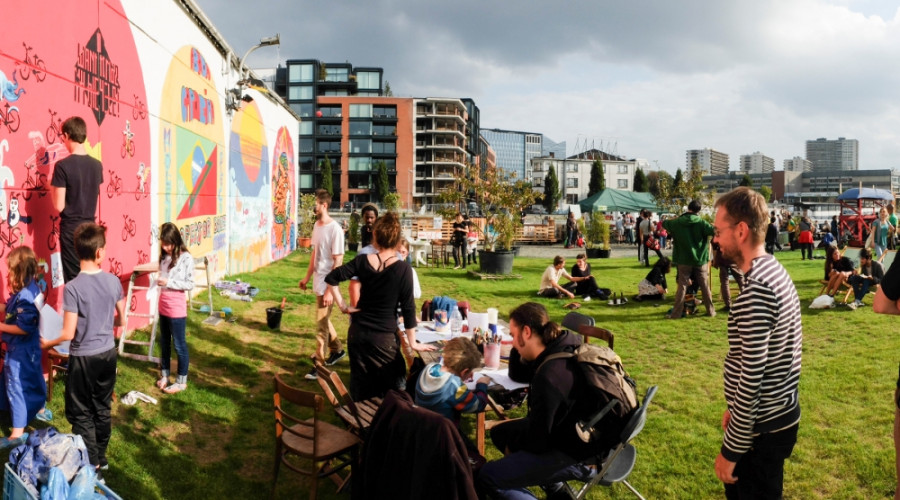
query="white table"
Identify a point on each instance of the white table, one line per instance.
(420, 251)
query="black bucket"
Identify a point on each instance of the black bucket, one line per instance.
(273, 317)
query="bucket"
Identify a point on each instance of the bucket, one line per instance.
(273, 317)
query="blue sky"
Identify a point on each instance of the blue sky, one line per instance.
(651, 78)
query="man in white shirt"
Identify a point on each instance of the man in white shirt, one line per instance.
(327, 254)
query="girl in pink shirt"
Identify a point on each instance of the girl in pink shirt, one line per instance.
(176, 278)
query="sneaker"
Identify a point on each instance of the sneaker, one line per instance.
(587, 298)
(100, 476)
(312, 375)
(104, 465)
(335, 357)
(852, 305)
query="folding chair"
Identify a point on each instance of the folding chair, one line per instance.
(887, 258)
(573, 320)
(357, 415)
(329, 449)
(596, 332)
(621, 459)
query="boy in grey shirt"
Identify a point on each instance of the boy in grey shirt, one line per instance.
(93, 304)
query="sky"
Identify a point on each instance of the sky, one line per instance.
(641, 79)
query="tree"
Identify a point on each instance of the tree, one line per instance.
(327, 181)
(598, 179)
(658, 181)
(746, 181)
(766, 193)
(382, 185)
(640, 181)
(387, 89)
(679, 180)
(551, 190)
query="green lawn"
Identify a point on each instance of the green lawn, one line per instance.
(215, 440)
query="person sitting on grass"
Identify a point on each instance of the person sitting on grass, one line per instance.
(841, 269)
(550, 286)
(587, 286)
(654, 286)
(440, 388)
(869, 274)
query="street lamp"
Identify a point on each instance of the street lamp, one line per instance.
(236, 94)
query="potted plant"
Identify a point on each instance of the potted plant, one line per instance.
(597, 236)
(353, 232)
(502, 197)
(307, 219)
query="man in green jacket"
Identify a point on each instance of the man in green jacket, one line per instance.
(690, 253)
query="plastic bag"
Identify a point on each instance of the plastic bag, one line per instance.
(57, 488)
(822, 302)
(83, 485)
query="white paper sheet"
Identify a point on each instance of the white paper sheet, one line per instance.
(51, 327)
(500, 376)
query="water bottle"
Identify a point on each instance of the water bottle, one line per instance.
(455, 323)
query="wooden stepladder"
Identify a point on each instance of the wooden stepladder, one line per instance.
(148, 269)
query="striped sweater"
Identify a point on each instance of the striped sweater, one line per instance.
(762, 368)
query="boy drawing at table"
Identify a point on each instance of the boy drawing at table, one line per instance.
(441, 388)
(93, 304)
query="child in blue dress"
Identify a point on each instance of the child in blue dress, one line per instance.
(23, 391)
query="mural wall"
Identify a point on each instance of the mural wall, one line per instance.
(151, 86)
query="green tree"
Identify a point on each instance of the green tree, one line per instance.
(551, 190)
(640, 181)
(766, 193)
(382, 185)
(657, 179)
(598, 179)
(327, 180)
(746, 181)
(678, 181)
(387, 89)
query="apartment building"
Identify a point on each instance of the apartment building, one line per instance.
(797, 164)
(574, 172)
(839, 154)
(757, 163)
(711, 161)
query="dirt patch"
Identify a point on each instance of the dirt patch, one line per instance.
(205, 442)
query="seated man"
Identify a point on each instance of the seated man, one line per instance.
(841, 269)
(550, 286)
(870, 273)
(543, 448)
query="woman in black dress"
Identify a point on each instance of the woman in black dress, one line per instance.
(376, 362)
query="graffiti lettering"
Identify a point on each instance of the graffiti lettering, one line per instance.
(196, 107)
(97, 78)
(219, 224)
(194, 233)
(198, 64)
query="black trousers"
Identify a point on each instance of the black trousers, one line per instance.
(89, 391)
(760, 471)
(70, 262)
(376, 363)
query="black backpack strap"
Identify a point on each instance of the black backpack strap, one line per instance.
(556, 355)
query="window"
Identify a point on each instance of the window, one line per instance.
(390, 164)
(305, 110)
(333, 92)
(385, 112)
(384, 130)
(306, 146)
(306, 181)
(360, 111)
(572, 183)
(572, 169)
(360, 163)
(329, 146)
(306, 128)
(329, 130)
(368, 80)
(622, 184)
(360, 145)
(623, 169)
(300, 92)
(306, 162)
(337, 74)
(300, 73)
(384, 147)
(360, 128)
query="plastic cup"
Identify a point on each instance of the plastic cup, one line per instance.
(505, 348)
(492, 356)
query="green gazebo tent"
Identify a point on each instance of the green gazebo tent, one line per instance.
(617, 200)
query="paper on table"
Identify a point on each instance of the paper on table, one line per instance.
(499, 376)
(425, 333)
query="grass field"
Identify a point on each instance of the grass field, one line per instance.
(215, 440)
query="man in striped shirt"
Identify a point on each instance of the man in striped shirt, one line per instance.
(762, 368)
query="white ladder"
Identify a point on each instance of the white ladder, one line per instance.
(138, 271)
(213, 318)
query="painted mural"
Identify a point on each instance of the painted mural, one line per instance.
(284, 238)
(88, 67)
(192, 181)
(250, 202)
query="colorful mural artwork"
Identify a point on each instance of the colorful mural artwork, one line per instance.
(86, 68)
(192, 135)
(249, 191)
(284, 239)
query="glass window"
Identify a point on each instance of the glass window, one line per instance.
(329, 146)
(384, 130)
(572, 168)
(359, 163)
(384, 147)
(361, 128)
(337, 74)
(368, 94)
(306, 128)
(305, 110)
(622, 184)
(360, 145)
(385, 112)
(330, 111)
(336, 93)
(306, 146)
(390, 163)
(306, 181)
(329, 130)
(300, 92)
(368, 80)
(300, 73)
(306, 162)
(360, 111)
(623, 169)
(571, 183)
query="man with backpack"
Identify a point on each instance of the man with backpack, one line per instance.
(543, 448)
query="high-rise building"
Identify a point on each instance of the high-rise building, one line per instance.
(757, 163)
(515, 149)
(711, 161)
(840, 154)
(797, 164)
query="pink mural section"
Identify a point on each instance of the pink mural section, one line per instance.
(59, 60)
(284, 196)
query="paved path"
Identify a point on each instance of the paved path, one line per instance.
(550, 251)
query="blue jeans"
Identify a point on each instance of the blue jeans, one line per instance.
(173, 329)
(860, 286)
(509, 476)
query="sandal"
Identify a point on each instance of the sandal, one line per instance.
(162, 383)
(175, 388)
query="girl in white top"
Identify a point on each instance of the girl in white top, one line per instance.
(176, 278)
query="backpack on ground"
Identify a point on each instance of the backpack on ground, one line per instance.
(603, 372)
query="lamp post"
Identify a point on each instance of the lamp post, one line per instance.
(233, 103)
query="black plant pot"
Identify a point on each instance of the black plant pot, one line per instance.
(353, 246)
(594, 253)
(498, 262)
(603, 254)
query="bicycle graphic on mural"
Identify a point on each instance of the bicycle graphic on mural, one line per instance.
(34, 65)
(115, 267)
(114, 186)
(53, 238)
(127, 140)
(129, 229)
(55, 129)
(139, 111)
(10, 117)
(10, 238)
(36, 182)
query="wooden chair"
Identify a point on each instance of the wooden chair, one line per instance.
(598, 333)
(357, 415)
(57, 363)
(329, 449)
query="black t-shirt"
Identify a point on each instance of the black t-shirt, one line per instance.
(460, 230)
(382, 291)
(656, 277)
(890, 284)
(366, 236)
(81, 175)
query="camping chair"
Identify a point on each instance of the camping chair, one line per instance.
(851, 253)
(621, 459)
(596, 332)
(887, 258)
(356, 415)
(573, 320)
(328, 448)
